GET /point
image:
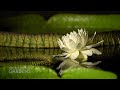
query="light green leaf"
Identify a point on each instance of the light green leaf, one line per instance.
(87, 73)
(27, 72)
(64, 23)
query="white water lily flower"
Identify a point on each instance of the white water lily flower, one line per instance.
(75, 44)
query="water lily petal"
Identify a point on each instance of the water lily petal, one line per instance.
(63, 47)
(65, 39)
(91, 40)
(65, 55)
(94, 45)
(72, 44)
(87, 52)
(83, 37)
(67, 49)
(97, 44)
(85, 58)
(78, 47)
(74, 55)
(60, 43)
(95, 51)
(61, 65)
(68, 55)
(91, 63)
(73, 35)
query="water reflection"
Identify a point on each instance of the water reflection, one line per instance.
(9, 56)
(25, 56)
(69, 63)
(10, 53)
(110, 58)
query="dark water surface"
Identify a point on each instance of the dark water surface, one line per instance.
(110, 56)
(110, 59)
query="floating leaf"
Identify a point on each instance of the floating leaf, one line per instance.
(64, 23)
(27, 72)
(27, 23)
(87, 73)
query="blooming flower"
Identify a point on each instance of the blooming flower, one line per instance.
(75, 44)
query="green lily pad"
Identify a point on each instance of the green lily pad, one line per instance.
(27, 72)
(27, 23)
(87, 73)
(64, 23)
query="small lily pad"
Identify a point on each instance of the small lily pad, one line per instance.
(27, 72)
(87, 73)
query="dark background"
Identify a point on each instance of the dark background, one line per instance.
(48, 14)
(48, 8)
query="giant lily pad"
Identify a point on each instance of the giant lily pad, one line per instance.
(64, 23)
(87, 73)
(42, 72)
(27, 23)
(27, 72)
